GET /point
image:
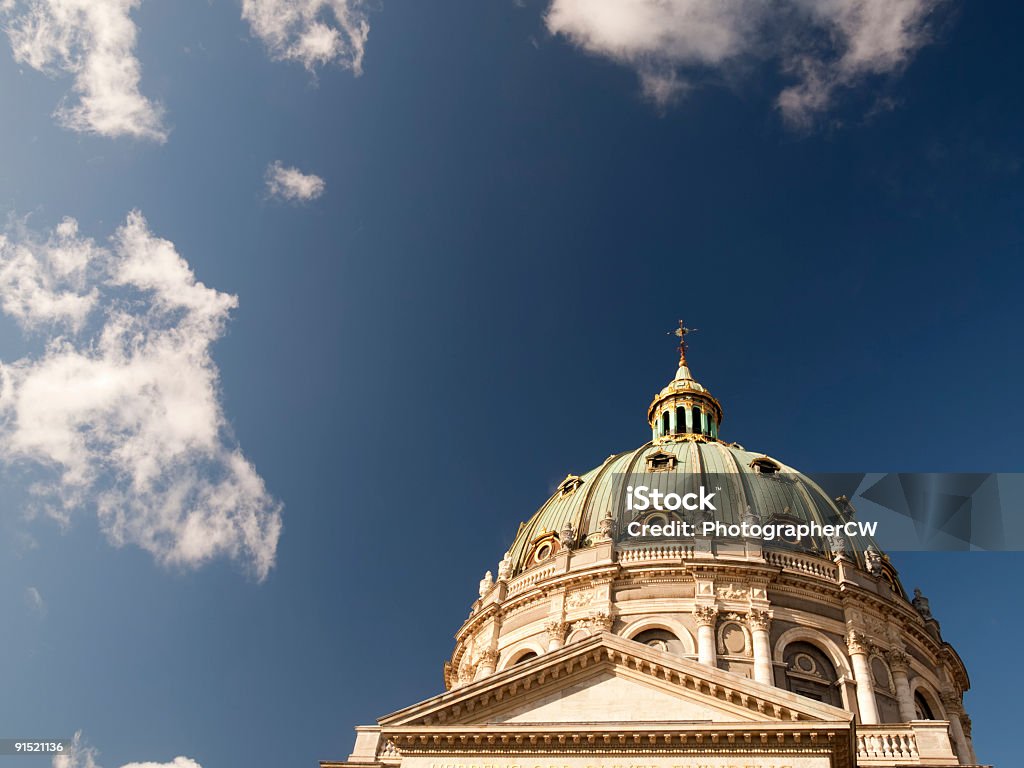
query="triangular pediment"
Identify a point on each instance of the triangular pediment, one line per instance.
(606, 678)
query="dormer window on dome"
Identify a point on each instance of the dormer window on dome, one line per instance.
(569, 485)
(765, 466)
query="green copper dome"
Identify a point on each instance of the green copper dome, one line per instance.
(685, 453)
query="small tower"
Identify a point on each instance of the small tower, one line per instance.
(684, 410)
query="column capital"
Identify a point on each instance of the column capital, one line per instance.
(758, 619)
(899, 660)
(706, 615)
(951, 702)
(858, 642)
(555, 630)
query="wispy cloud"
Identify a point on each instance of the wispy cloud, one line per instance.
(35, 601)
(823, 45)
(93, 41)
(120, 411)
(292, 184)
(311, 32)
(81, 755)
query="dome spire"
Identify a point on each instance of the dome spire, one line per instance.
(684, 410)
(681, 332)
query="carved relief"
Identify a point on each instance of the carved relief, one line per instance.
(580, 599)
(858, 642)
(759, 620)
(555, 630)
(706, 615)
(732, 592)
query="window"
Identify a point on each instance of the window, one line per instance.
(569, 485)
(696, 419)
(765, 466)
(661, 462)
(810, 673)
(661, 640)
(921, 709)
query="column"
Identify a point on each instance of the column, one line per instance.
(953, 709)
(703, 422)
(556, 634)
(673, 427)
(858, 646)
(899, 664)
(706, 616)
(486, 662)
(689, 418)
(759, 623)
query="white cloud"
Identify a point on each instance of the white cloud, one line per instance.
(178, 762)
(79, 755)
(94, 41)
(312, 32)
(292, 184)
(35, 601)
(121, 409)
(825, 44)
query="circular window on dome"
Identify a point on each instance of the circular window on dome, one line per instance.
(543, 549)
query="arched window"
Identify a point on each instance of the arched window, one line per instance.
(810, 673)
(680, 419)
(664, 423)
(696, 419)
(660, 639)
(524, 657)
(921, 709)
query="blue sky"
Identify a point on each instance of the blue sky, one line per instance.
(499, 211)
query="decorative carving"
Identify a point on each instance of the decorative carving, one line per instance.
(485, 584)
(965, 723)
(579, 599)
(858, 642)
(555, 630)
(921, 604)
(505, 567)
(487, 658)
(873, 561)
(899, 660)
(951, 701)
(567, 536)
(837, 544)
(732, 592)
(750, 517)
(706, 615)
(467, 671)
(759, 620)
(595, 622)
(605, 527)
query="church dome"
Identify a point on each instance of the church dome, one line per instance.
(818, 615)
(744, 482)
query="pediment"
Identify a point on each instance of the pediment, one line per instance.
(606, 678)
